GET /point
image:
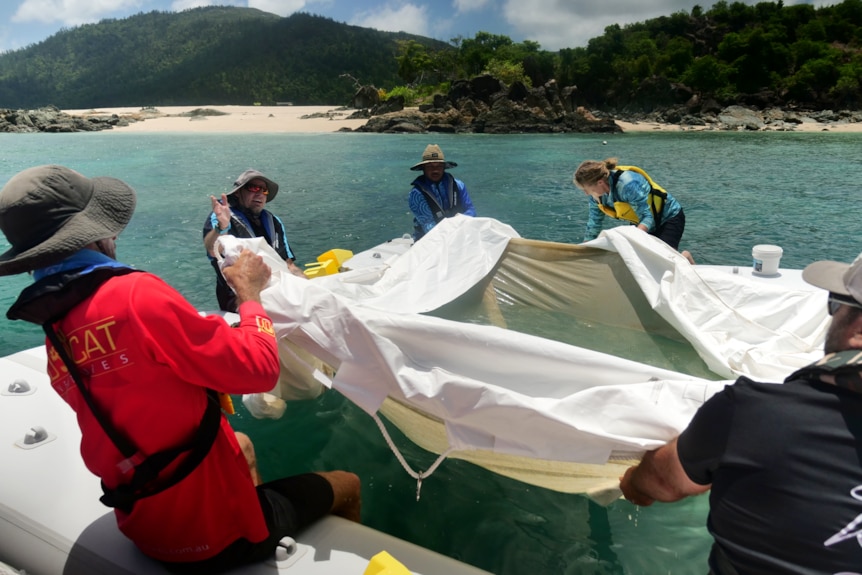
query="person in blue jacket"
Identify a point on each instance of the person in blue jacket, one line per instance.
(629, 193)
(436, 194)
(241, 213)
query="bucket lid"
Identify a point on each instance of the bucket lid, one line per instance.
(767, 249)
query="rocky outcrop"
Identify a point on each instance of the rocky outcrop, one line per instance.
(393, 104)
(486, 105)
(739, 118)
(51, 119)
(735, 117)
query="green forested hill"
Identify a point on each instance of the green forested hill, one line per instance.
(221, 55)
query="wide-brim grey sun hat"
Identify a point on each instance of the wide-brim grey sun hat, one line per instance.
(836, 277)
(48, 213)
(248, 176)
(432, 155)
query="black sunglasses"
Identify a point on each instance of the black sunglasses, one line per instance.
(835, 301)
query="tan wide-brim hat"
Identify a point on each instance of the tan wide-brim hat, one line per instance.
(48, 213)
(432, 155)
(250, 175)
(836, 277)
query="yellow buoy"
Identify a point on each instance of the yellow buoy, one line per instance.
(385, 564)
(328, 263)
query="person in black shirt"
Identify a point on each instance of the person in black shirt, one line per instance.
(783, 461)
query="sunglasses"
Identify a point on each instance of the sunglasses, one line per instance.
(836, 301)
(257, 189)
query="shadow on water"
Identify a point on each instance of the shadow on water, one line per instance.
(638, 345)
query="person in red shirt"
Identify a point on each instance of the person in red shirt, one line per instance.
(141, 368)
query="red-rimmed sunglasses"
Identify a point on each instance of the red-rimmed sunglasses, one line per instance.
(257, 189)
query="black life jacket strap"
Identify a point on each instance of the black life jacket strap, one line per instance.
(143, 482)
(842, 369)
(47, 302)
(440, 213)
(146, 469)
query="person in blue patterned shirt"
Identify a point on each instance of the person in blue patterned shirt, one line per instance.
(436, 194)
(629, 193)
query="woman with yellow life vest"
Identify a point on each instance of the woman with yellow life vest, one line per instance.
(629, 193)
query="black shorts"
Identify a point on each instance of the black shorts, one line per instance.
(670, 232)
(289, 505)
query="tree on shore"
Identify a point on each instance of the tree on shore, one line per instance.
(767, 54)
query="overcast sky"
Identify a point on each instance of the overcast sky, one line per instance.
(554, 24)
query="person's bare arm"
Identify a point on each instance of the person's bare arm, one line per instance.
(659, 477)
(222, 212)
(247, 276)
(295, 269)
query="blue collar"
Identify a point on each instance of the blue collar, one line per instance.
(85, 260)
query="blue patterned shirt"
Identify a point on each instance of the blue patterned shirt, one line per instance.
(422, 211)
(633, 189)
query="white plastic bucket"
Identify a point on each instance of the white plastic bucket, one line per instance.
(766, 259)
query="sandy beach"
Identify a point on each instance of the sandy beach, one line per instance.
(318, 119)
(295, 119)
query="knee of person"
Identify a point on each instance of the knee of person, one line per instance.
(350, 480)
(353, 481)
(345, 483)
(347, 498)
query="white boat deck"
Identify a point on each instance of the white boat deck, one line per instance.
(789, 278)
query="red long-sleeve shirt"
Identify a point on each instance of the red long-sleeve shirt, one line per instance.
(147, 356)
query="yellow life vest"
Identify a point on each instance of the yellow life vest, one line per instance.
(624, 210)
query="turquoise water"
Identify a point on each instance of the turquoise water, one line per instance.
(349, 190)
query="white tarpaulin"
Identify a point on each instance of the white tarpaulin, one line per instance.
(432, 272)
(503, 392)
(764, 328)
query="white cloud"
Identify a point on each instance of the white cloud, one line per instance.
(556, 24)
(403, 18)
(462, 6)
(559, 24)
(70, 12)
(180, 5)
(76, 12)
(280, 7)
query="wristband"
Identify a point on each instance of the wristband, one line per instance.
(222, 232)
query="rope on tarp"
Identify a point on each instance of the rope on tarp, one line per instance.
(417, 475)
